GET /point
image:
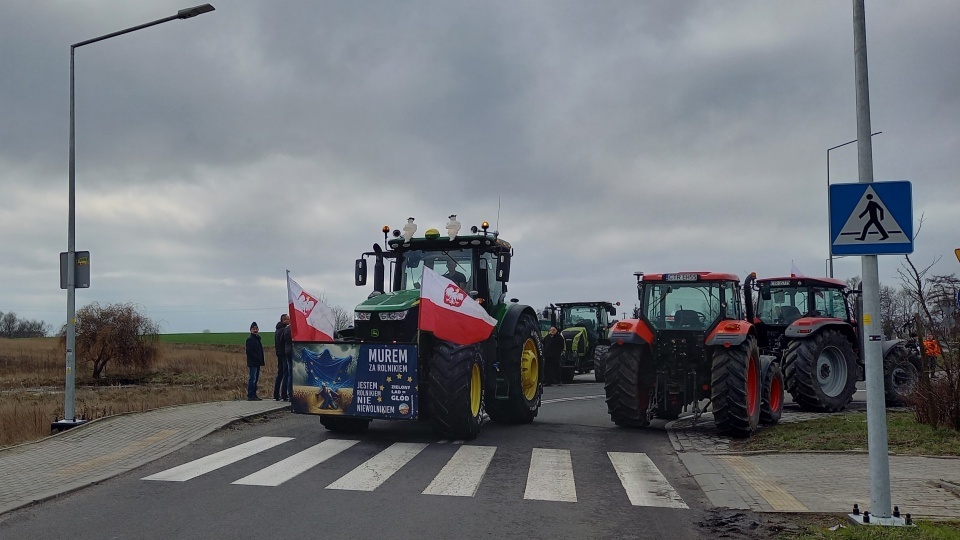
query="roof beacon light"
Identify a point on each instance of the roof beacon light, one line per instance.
(432, 234)
(453, 227)
(484, 226)
(409, 229)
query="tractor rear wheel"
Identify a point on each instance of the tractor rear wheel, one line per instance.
(820, 371)
(524, 371)
(456, 390)
(901, 371)
(735, 382)
(771, 395)
(599, 355)
(343, 424)
(627, 372)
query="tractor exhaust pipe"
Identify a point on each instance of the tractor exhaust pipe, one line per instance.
(748, 296)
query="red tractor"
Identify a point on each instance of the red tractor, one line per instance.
(809, 325)
(691, 343)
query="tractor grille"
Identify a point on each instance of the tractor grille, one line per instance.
(404, 331)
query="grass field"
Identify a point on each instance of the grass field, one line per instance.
(32, 382)
(225, 338)
(849, 432)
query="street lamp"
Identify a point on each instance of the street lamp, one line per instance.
(829, 238)
(69, 417)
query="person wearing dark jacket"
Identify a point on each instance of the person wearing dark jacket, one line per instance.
(254, 361)
(286, 340)
(282, 383)
(552, 351)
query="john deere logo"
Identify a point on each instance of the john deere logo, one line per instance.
(374, 333)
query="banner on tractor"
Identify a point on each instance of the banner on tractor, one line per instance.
(352, 379)
(310, 319)
(450, 313)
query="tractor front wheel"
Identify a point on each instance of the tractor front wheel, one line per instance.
(520, 356)
(456, 390)
(771, 395)
(820, 371)
(599, 355)
(735, 382)
(901, 371)
(627, 379)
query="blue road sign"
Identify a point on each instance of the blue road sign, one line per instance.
(871, 219)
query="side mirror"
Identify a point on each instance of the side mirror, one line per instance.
(360, 272)
(765, 291)
(503, 267)
(612, 311)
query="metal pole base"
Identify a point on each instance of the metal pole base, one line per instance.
(858, 519)
(63, 425)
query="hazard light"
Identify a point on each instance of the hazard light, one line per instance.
(731, 327)
(623, 326)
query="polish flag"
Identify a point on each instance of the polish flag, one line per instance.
(450, 313)
(310, 319)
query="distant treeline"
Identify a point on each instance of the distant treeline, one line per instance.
(12, 326)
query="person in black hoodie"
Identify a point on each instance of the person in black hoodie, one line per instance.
(254, 361)
(282, 383)
(552, 351)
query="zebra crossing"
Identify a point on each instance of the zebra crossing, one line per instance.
(550, 476)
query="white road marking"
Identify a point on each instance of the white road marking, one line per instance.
(220, 459)
(461, 476)
(572, 398)
(550, 477)
(379, 468)
(280, 472)
(643, 481)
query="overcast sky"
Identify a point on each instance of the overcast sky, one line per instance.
(217, 152)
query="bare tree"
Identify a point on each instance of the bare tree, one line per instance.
(115, 333)
(12, 326)
(342, 318)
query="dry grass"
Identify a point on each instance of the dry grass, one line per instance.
(32, 384)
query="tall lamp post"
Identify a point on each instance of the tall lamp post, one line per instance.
(69, 416)
(829, 238)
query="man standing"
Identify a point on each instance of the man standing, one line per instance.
(552, 351)
(254, 361)
(286, 341)
(282, 383)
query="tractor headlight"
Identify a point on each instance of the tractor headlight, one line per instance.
(361, 315)
(392, 315)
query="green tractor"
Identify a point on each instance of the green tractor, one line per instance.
(585, 329)
(388, 367)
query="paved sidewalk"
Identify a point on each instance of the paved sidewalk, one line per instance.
(822, 482)
(110, 446)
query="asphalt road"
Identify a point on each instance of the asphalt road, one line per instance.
(573, 489)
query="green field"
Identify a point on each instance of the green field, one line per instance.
(211, 338)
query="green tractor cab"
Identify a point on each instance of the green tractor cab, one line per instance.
(585, 329)
(389, 367)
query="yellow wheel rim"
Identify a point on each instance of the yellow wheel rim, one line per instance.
(530, 369)
(475, 390)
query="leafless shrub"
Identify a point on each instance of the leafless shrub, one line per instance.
(115, 333)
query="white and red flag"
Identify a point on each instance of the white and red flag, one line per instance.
(450, 313)
(310, 319)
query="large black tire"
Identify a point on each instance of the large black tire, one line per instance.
(521, 357)
(735, 383)
(820, 371)
(599, 355)
(771, 394)
(628, 373)
(456, 390)
(344, 424)
(901, 371)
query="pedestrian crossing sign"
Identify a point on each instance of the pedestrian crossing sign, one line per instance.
(871, 218)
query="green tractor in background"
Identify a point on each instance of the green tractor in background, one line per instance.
(585, 327)
(388, 367)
